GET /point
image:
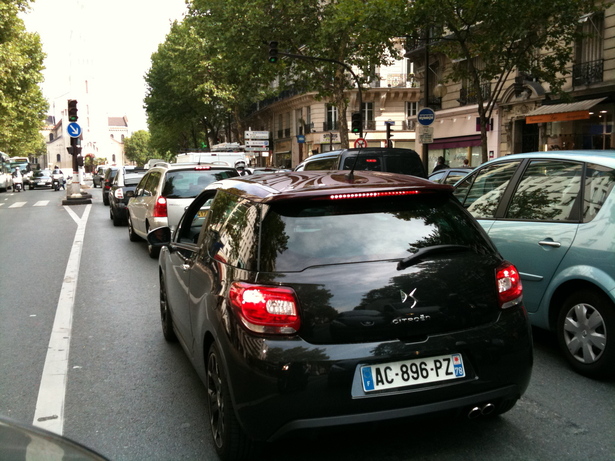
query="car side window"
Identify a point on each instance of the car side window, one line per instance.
(482, 195)
(329, 163)
(141, 186)
(599, 182)
(231, 230)
(547, 191)
(193, 220)
(151, 184)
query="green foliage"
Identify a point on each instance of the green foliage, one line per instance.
(22, 105)
(535, 38)
(137, 147)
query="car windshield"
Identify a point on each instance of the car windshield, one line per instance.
(300, 235)
(189, 183)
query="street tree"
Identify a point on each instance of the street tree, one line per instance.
(137, 147)
(22, 105)
(185, 102)
(323, 37)
(490, 39)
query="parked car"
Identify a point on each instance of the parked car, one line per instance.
(311, 299)
(99, 176)
(40, 178)
(164, 192)
(118, 196)
(405, 161)
(449, 175)
(553, 215)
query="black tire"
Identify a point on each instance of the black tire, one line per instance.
(116, 220)
(153, 251)
(105, 199)
(586, 333)
(230, 441)
(165, 314)
(131, 231)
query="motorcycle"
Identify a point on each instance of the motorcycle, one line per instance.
(57, 181)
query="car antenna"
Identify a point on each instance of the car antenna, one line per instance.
(350, 175)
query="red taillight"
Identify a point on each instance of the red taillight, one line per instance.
(160, 208)
(266, 309)
(371, 160)
(510, 291)
(202, 168)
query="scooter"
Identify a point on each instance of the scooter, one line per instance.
(17, 184)
(57, 181)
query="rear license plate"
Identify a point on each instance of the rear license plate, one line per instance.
(412, 372)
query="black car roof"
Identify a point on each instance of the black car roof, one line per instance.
(310, 184)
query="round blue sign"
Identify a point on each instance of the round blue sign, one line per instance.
(74, 130)
(426, 116)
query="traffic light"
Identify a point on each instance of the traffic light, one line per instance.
(273, 52)
(356, 122)
(72, 110)
(389, 135)
(79, 159)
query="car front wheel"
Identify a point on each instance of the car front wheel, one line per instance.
(232, 444)
(586, 333)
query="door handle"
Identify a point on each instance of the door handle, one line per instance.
(549, 243)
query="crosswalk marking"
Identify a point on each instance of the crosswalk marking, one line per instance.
(41, 203)
(17, 204)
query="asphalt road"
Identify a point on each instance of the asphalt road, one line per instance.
(131, 396)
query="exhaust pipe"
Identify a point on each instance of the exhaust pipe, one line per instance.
(485, 410)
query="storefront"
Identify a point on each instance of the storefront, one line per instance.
(455, 151)
(584, 124)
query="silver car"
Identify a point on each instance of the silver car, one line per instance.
(163, 194)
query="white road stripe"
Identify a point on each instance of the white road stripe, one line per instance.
(49, 413)
(17, 204)
(41, 203)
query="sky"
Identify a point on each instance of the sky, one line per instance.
(110, 40)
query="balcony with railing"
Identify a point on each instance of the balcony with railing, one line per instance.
(470, 96)
(587, 73)
(330, 125)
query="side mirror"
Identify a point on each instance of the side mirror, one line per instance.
(159, 237)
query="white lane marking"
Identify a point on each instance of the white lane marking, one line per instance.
(17, 204)
(41, 203)
(49, 413)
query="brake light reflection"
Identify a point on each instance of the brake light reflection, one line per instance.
(374, 194)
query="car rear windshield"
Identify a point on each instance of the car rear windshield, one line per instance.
(189, 183)
(298, 235)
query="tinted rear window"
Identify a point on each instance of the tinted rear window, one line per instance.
(189, 183)
(299, 235)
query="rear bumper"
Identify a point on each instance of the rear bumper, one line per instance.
(304, 386)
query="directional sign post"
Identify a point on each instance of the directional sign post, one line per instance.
(74, 130)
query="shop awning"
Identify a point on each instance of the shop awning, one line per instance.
(452, 143)
(578, 110)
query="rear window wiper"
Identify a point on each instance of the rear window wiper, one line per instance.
(427, 251)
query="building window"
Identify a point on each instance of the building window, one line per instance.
(468, 94)
(589, 51)
(299, 122)
(331, 123)
(50, 137)
(112, 136)
(113, 158)
(58, 158)
(123, 138)
(411, 109)
(280, 126)
(368, 116)
(308, 119)
(287, 126)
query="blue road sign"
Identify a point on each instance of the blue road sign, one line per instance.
(426, 116)
(74, 130)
